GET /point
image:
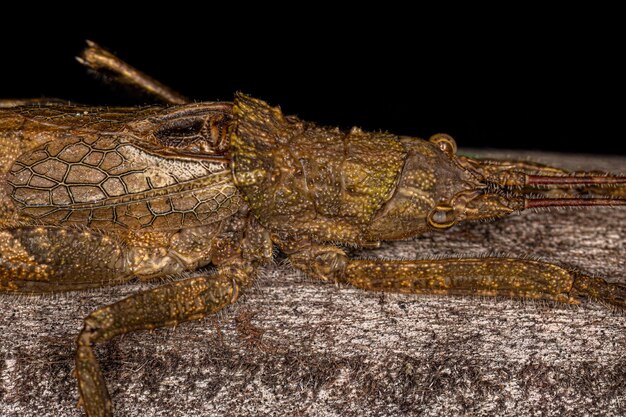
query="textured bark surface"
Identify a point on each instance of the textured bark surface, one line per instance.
(296, 346)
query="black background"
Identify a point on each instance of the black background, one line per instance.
(509, 81)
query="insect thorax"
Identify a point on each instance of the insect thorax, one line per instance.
(304, 179)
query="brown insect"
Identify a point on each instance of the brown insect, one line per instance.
(99, 196)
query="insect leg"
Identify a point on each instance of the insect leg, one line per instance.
(105, 63)
(510, 277)
(37, 259)
(483, 276)
(53, 259)
(168, 305)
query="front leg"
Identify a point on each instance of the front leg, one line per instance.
(489, 276)
(168, 305)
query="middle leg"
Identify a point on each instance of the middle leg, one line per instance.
(164, 306)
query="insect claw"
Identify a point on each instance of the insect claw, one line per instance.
(599, 289)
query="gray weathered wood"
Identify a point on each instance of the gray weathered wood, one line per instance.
(296, 346)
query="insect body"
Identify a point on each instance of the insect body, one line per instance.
(94, 197)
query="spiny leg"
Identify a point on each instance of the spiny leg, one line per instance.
(104, 62)
(522, 278)
(168, 305)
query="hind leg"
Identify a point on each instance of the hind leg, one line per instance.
(164, 306)
(55, 259)
(47, 259)
(108, 65)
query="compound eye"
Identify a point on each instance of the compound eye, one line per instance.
(442, 217)
(444, 142)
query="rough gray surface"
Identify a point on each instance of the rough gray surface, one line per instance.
(296, 346)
